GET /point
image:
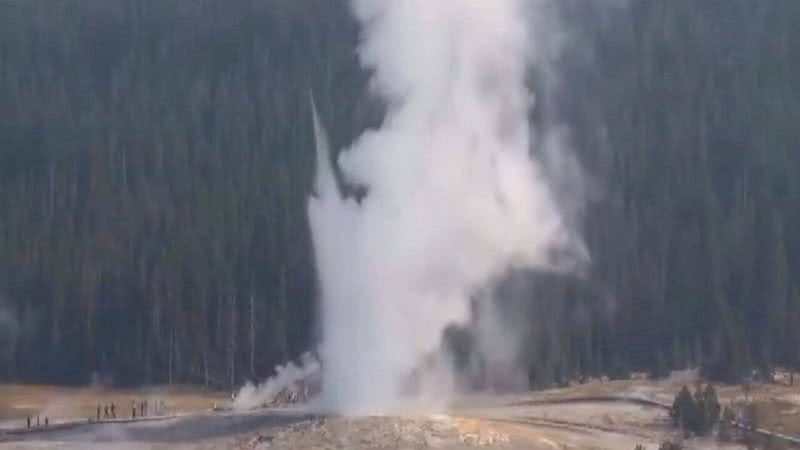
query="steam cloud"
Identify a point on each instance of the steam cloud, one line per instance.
(253, 396)
(454, 199)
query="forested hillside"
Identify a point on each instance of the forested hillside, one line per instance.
(155, 158)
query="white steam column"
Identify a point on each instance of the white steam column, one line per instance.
(454, 199)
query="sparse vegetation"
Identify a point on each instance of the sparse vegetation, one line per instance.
(724, 431)
(670, 445)
(665, 445)
(749, 419)
(709, 402)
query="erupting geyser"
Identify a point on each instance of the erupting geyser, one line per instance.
(454, 199)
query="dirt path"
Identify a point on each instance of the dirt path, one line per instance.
(185, 429)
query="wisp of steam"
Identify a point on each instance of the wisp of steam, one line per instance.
(252, 396)
(453, 198)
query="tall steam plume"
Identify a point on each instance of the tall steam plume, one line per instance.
(454, 199)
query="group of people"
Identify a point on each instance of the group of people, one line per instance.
(109, 411)
(143, 407)
(138, 409)
(38, 421)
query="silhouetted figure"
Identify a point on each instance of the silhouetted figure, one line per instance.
(113, 411)
(37, 420)
(105, 412)
(141, 409)
(46, 421)
(98, 413)
(29, 421)
(145, 407)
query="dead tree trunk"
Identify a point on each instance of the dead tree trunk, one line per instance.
(205, 368)
(232, 344)
(171, 353)
(252, 335)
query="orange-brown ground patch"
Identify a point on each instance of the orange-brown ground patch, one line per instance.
(63, 403)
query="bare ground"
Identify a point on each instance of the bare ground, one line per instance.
(60, 403)
(598, 415)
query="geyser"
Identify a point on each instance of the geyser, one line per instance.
(454, 199)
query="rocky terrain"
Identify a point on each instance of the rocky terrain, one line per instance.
(378, 433)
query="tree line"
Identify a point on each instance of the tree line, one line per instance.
(155, 158)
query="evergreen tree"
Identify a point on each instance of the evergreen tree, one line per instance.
(156, 157)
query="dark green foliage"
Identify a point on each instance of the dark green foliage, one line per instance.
(698, 414)
(618, 369)
(683, 411)
(726, 422)
(660, 370)
(694, 106)
(155, 158)
(459, 344)
(711, 406)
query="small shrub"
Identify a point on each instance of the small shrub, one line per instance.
(711, 406)
(724, 432)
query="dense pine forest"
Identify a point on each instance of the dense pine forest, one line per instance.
(156, 157)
